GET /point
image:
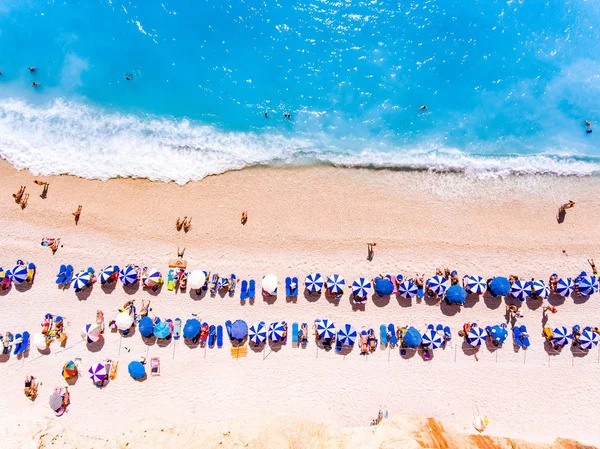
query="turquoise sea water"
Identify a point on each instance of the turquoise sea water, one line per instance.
(507, 86)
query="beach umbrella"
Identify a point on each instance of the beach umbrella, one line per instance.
(346, 335)
(588, 339)
(476, 336)
(276, 331)
(325, 329)
(587, 285)
(408, 289)
(81, 280)
(146, 327)
(476, 285)
(500, 286)
(107, 272)
(412, 338)
(456, 294)
(98, 373)
(136, 370)
(18, 274)
(39, 341)
(520, 290)
(56, 400)
(360, 287)
(383, 287)
(69, 370)
(196, 279)
(191, 329)
(258, 333)
(437, 284)
(541, 289)
(239, 330)
(162, 330)
(561, 336)
(154, 278)
(431, 339)
(565, 287)
(128, 275)
(335, 284)
(314, 283)
(269, 284)
(123, 321)
(91, 333)
(498, 333)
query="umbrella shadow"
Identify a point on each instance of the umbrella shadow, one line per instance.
(467, 349)
(579, 299)
(556, 299)
(430, 301)
(163, 342)
(260, 347)
(129, 334)
(407, 353)
(154, 291)
(491, 346)
(550, 349)
(72, 380)
(150, 340)
(96, 346)
(191, 343)
(471, 300)
(492, 302)
(5, 291)
(195, 296)
(356, 306)
(25, 286)
(4, 357)
(449, 309)
(276, 346)
(345, 350)
(426, 354)
(578, 351)
(380, 301)
(403, 302)
(534, 303)
(108, 288)
(84, 294)
(270, 299)
(311, 297)
(141, 379)
(131, 289)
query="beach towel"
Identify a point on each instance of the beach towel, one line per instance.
(383, 335)
(68, 274)
(155, 366)
(294, 332)
(212, 334)
(219, 336)
(244, 290)
(24, 343)
(252, 289)
(170, 281)
(30, 273)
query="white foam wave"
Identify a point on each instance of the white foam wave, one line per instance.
(72, 138)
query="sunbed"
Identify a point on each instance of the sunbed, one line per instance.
(383, 335)
(525, 337)
(232, 285)
(288, 286)
(244, 290)
(252, 289)
(295, 333)
(60, 277)
(155, 366)
(212, 335)
(392, 335)
(219, 336)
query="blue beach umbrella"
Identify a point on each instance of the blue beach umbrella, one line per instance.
(18, 274)
(587, 285)
(107, 272)
(500, 286)
(360, 287)
(347, 335)
(437, 284)
(408, 289)
(275, 332)
(335, 284)
(476, 285)
(383, 287)
(314, 283)
(258, 333)
(565, 286)
(456, 294)
(541, 289)
(588, 339)
(412, 338)
(520, 290)
(146, 327)
(81, 280)
(239, 330)
(498, 333)
(162, 330)
(128, 275)
(431, 339)
(561, 336)
(325, 329)
(136, 370)
(191, 329)
(476, 336)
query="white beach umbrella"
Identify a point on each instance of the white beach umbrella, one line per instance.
(123, 321)
(269, 284)
(196, 279)
(39, 341)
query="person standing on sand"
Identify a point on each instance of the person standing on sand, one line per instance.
(244, 217)
(562, 210)
(77, 213)
(17, 196)
(370, 251)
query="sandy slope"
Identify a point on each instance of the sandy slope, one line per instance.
(303, 220)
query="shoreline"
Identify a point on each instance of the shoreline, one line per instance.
(419, 220)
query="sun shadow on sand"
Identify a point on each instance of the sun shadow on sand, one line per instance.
(108, 288)
(380, 301)
(311, 297)
(85, 293)
(131, 289)
(449, 309)
(96, 346)
(403, 302)
(492, 302)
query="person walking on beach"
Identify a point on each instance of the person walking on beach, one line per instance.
(593, 265)
(77, 213)
(562, 210)
(17, 196)
(370, 251)
(45, 186)
(244, 217)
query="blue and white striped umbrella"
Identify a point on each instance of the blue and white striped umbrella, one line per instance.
(107, 272)
(476, 285)
(360, 287)
(128, 275)
(431, 339)
(325, 328)
(335, 283)
(314, 282)
(347, 335)
(276, 331)
(408, 289)
(437, 284)
(18, 274)
(541, 289)
(561, 336)
(588, 285)
(520, 290)
(565, 287)
(588, 339)
(476, 336)
(258, 334)
(81, 280)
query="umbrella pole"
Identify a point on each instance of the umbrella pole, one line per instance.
(174, 346)
(120, 342)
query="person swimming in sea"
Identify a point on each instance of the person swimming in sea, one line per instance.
(34, 84)
(128, 77)
(423, 108)
(32, 69)
(589, 126)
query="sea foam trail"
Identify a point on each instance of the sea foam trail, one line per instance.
(72, 138)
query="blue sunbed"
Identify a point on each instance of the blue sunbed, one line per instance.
(294, 332)
(228, 328)
(68, 274)
(288, 286)
(383, 334)
(60, 277)
(219, 336)
(24, 344)
(251, 289)
(517, 336)
(212, 335)
(232, 285)
(525, 338)
(244, 290)
(392, 335)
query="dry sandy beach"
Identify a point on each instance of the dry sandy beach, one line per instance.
(303, 220)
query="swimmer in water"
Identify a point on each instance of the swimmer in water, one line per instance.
(32, 69)
(589, 125)
(266, 115)
(128, 77)
(34, 84)
(423, 108)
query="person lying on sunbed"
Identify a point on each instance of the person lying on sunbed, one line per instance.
(31, 387)
(512, 279)
(553, 282)
(58, 326)
(548, 333)
(100, 320)
(303, 338)
(372, 340)
(419, 281)
(364, 344)
(145, 308)
(454, 278)
(285, 330)
(46, 324)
